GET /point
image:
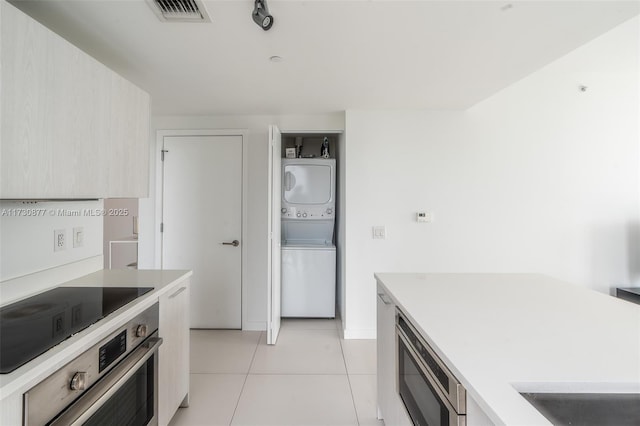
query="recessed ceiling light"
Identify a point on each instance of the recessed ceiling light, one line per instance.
(276, 58)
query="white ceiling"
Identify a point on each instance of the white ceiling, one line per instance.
(337, 55)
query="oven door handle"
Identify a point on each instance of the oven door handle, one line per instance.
(81, 410)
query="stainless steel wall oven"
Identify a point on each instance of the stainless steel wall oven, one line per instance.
(430, 392)
(115, 382)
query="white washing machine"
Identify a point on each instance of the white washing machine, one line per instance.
(309, 281)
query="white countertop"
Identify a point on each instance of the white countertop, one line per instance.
(504, 333)
(25, 377)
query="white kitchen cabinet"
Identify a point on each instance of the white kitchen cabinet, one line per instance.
(69, 126)
(475, 415)
(173, 374)
(390, 407)
(11, 410)
(129, 141)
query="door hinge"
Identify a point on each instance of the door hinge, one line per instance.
(161, 227)
(162, 154)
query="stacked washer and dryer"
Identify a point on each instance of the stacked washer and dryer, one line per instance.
(308, 252)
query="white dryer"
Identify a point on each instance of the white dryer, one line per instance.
(308, 200)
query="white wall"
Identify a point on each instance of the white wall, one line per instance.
(27, 243)
(541, 177)
(118, 226)
(257, 125)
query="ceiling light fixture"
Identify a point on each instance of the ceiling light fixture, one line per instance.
(261, 15)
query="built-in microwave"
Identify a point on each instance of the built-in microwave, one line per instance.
(430, 392)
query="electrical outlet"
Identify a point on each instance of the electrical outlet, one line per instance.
(59, 239)
(78, 237)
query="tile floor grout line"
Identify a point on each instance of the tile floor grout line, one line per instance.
(301, 374)
(353, 399)
(246, 377)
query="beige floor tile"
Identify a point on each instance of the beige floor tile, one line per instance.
(222, 351)
(363, 387)
(296, 400)
(300, 352)
(309, 323)
(213, 399)
(360, 356)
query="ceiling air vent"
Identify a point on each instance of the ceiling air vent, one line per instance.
(179, 10)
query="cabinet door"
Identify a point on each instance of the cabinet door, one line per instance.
(386, 343)
(390, 406)
(128, 159)
(70, 127)
(54, 114)
(173, 386)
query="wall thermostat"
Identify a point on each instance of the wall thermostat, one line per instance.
(424, 217)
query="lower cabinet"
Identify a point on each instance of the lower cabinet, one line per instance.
(475, 415)
(390, 406)
(173, 374)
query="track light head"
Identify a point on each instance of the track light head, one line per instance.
(261, 15)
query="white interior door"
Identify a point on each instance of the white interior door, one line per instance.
(275, 191)
(202, 223)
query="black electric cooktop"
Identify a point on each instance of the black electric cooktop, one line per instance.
(34, 325)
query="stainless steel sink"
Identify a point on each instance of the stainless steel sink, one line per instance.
(587, 409)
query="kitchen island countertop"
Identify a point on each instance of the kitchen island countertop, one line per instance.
(502, 334)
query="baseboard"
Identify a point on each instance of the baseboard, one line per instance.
(362, 333)
(340, 327)
(27, 285)
(254, 325)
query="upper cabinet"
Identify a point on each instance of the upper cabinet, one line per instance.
(128, 145)
(69, 126)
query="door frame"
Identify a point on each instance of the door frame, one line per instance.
(159, 175)
(274, 262)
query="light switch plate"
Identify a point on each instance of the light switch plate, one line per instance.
(379, 233)
(78, 237)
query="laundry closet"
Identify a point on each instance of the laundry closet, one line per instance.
(306, 229)
(308, 218)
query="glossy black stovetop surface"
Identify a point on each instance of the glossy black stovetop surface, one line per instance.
(34, 325)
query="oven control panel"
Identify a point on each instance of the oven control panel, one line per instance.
(112, 350)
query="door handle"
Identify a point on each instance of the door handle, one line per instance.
(289, 181)
(234, 243)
